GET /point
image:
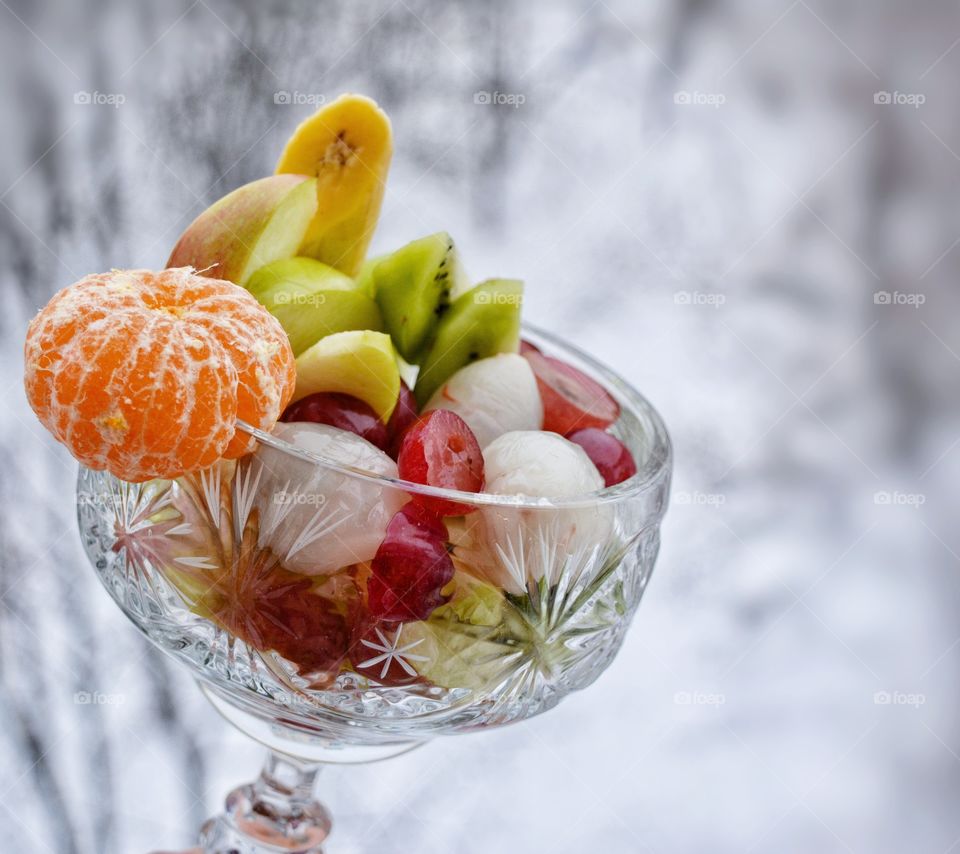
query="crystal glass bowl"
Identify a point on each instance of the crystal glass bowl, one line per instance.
(253, 573)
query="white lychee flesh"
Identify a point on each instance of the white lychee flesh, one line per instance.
(525, 544)
(540, 465)
(494, 396)
(318, 520)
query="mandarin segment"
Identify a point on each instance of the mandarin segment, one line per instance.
(266, 379)
(146, 374)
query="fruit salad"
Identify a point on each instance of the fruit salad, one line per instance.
(405, 388)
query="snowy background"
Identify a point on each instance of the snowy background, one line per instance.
(705, 194)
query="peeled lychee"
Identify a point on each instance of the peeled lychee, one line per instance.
(494, 396)
(315, 519)
(524, 544)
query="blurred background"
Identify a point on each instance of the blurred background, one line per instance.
(748, 208)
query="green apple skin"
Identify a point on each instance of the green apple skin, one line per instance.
(258, 223)
(313, 300)
(361, 363)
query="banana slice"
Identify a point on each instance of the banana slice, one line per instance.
(347, 145)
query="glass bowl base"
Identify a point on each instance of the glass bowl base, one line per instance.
(296, 741)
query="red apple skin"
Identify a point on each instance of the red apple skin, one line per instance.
(221, 241)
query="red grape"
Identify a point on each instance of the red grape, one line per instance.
(527, 347)
(611, 457)
(340, 410)
(571, 400)
(404, 414)
(440, 450)
(411, 567)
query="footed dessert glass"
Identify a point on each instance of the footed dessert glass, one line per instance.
(253, 574)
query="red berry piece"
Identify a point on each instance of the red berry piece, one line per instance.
(274, 609)
(571, 400)
(440, 450)
(611, 457)
(411, 567)
(313, 635)
(340, 410)
(404, 414)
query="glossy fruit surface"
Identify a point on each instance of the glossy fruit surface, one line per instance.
(571, 399)
(256, 224)
(316, 519)
(440, 450)
(611, 457)
(340, 410)
(538, 464)
(411, 567)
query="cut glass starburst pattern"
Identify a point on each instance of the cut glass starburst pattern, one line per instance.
(216, 567)
(389, 650)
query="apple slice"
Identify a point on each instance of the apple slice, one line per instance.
(360, 362)
(347, 144)
(254, 225)
(312, 300)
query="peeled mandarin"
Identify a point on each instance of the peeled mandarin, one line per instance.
(145, 374)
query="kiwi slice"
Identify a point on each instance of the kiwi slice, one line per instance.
(480, 323)
(413, 288)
